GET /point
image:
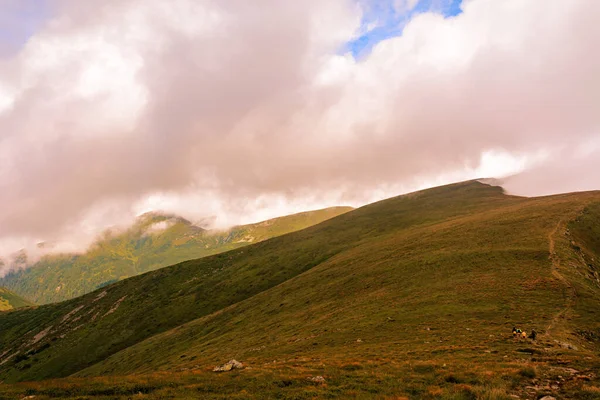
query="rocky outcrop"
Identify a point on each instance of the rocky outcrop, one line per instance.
(233, 364)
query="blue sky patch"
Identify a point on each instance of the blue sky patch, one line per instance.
(19, 20)
(382, 20)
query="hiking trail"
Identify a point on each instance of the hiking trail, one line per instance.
(570, 294)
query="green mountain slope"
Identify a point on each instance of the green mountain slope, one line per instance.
(10, 300)
(387, 299)
(156, 240)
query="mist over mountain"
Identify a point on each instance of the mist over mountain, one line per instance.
(155, 240)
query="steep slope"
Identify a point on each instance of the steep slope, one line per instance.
(455, 285)
(156, 240)
(10, 300)
(424, 276)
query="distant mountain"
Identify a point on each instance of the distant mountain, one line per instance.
(411, 297)
(10, 300)
(156, 240)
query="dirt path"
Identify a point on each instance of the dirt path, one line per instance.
(570, 297)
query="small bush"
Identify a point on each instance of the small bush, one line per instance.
(352, 367)
(424, 368)
(453, 379)
(21, 357)
(527, 372)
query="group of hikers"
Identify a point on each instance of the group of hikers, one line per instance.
(519, 334)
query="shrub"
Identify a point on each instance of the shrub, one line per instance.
(527, 372)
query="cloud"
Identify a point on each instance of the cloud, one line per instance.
(239, 111)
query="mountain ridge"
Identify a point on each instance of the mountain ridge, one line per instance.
(435, 278)
(155, 240)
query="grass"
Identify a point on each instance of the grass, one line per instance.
(411, 297)
(384, 379)
(10, 300)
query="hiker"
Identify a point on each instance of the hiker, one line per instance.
(524, 335)
(514, 331)
(533, 334)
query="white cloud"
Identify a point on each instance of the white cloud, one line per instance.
(227, 109)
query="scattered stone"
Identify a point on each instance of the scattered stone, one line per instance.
(101, 295)
(358, 340)
(571, 371)
(233, 364)
(70, 314)
(566, 345)
(115, 306)
(548, 398)
(316, 379)
(40, 335)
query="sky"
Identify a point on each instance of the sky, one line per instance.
(230, 113)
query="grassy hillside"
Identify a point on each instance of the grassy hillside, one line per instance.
(10, 300)
(154, 241)
(413, 296)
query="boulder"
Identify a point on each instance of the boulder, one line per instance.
(232, 364)
(316, 379)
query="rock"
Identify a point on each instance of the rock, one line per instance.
(358, 340)
(232, 364)
(316, 379)
(571, 371)
(548, 398)
(224, 368)
(569, 346)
